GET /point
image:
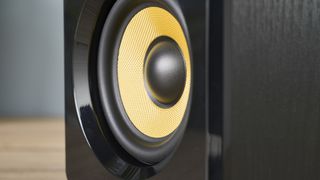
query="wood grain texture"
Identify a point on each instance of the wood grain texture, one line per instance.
(32, 149)
(272, 78)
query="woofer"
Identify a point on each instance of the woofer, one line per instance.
(131, 109)
(148, 130)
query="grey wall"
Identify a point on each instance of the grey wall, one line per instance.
(31, 58)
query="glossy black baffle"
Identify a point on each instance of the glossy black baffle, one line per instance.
(165, 72)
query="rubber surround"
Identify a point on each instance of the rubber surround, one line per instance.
(144, 149)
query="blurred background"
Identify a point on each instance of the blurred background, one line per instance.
(31, 90)
(31, 58)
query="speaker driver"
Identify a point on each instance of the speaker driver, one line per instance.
(144, 77)
(144, 28)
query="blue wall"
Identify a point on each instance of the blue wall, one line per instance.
(31, 58)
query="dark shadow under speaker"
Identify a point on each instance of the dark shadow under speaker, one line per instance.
(135, 89)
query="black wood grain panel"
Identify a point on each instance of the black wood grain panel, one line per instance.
(272, 72)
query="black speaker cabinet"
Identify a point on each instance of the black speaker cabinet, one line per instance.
(192, 89)
(271, 124)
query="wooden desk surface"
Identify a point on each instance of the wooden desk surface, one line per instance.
(32, 149)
